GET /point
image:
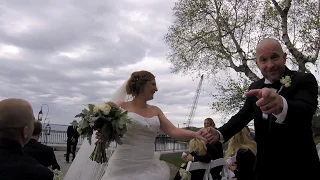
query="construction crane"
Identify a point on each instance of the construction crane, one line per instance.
(194, 104)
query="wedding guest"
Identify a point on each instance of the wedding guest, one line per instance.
(251, 134)
(215, 151)
(244, 148)
(197, 148)
(282, 105)
(16, 128)
(72, 140)
(42, 153)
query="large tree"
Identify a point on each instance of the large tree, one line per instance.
(210, 36)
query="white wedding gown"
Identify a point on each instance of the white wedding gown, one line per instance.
(135, 159)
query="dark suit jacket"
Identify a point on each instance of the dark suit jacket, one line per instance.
(16, 165)
(289, 147)
(245, 164)
(196, 174)
(214, 151)
(42, 153)
(72, 133)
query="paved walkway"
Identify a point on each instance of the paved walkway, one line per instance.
(65, 166)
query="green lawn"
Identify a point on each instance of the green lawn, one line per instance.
(174, 160)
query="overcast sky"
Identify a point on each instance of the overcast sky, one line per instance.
(69, 53)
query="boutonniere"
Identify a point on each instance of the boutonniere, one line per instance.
(286, 82)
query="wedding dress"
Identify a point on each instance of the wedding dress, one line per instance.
(83, 168)
(135, 159)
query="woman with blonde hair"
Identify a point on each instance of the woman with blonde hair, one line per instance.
(197, 148)
(244, 148)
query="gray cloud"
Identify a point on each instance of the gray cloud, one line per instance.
(67, 54)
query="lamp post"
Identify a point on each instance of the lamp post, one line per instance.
(47, 127)
(40, 114)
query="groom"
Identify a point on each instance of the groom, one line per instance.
(282, 114)
(72, 140)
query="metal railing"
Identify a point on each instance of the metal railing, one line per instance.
(162, 142)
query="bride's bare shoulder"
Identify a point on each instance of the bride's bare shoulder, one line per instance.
(124, 105)
(155, 108)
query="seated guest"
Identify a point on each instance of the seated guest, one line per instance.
(40, 152)
(251, 133)
(244, 148)
(16, 128)
(214, 150)
(198, 152)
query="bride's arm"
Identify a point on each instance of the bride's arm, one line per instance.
(179, 134)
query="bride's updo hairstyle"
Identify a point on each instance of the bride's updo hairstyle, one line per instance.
(137, 81)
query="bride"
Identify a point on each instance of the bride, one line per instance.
(135, 159)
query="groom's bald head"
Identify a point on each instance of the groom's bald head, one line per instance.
(16, 120)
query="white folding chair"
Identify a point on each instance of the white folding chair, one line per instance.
(225, 163)
(191, 166)
(318, 149)
(216, 163)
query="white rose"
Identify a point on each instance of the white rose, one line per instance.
(286, 85)
(96, 109)
(286, 81)
(288, 78)
(79, 130)
(106, 107)
(103, 107)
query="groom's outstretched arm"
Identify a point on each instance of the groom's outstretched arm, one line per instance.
(238, 121)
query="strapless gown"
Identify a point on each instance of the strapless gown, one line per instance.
(135, 159)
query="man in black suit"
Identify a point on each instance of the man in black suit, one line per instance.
(72, 140)
(40, 152)
(16, 127)
(282, 113)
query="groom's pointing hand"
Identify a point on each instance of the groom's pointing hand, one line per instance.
(269, 101)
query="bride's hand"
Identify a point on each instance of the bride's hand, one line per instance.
(198, 135)
(211, 134)
(112, 104)
(99, 135)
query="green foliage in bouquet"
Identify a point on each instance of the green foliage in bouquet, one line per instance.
(107, 118)
(57, 174)
(84, 127)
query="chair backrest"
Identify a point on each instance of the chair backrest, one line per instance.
(218, 162)
(318, 147)
(197, 165)
(223, 162)
(191, 166)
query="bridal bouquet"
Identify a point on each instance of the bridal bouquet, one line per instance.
(107, 118)
(57, 175)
